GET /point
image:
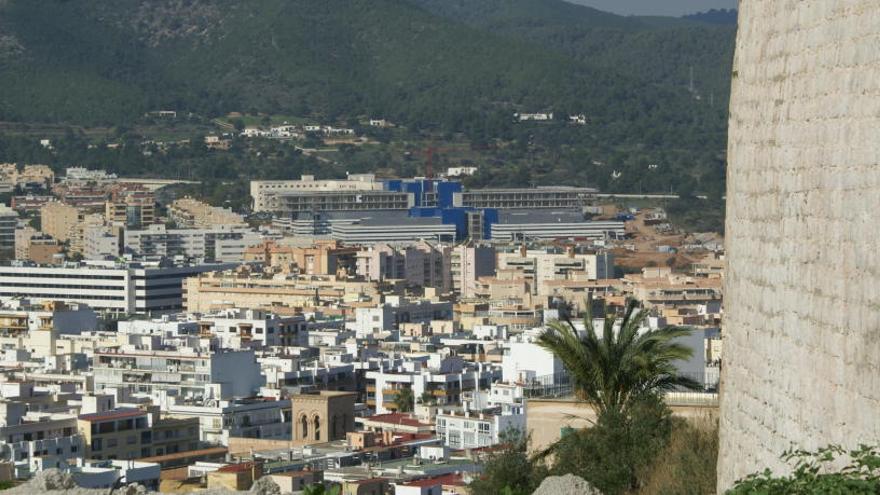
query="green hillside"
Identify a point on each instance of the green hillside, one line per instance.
(438, 67)
(657, 50)
(97, 61)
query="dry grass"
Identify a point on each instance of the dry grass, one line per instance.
(687, 465)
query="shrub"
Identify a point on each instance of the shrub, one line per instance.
(615, 454)
(816, 473)
(510, 470)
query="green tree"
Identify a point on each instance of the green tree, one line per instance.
(616, 369)
(510, 470)
(616, 454)
(428, 399)
(621, 372)
(405, 400)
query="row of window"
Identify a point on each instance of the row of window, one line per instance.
(79, 275)
(66, 296)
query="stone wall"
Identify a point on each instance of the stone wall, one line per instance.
(802, 296)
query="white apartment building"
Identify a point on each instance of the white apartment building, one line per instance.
(420, 263)
(525, 361)
(443, 379)
(220, 244)
(296, 374)
(484, 419)
(82, 175)
(474, 430)
(18, 317)
(100, 242)
(106, 286)
(239, 328)
(397, 310)
(219, 420)
(263, 192)
(182, 373)
(170, 325)
(541, 266)
(25, 437)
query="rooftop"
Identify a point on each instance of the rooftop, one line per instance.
(396, 419)
(115, 414)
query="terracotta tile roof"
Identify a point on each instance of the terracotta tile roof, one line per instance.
(397, 419)
(237, 468)
(450, 479)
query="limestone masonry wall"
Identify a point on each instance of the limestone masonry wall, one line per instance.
(802, 296)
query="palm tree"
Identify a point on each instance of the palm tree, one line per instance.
(405, 400)
(613, 371)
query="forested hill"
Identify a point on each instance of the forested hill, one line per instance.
(105, 60)
(663, 51)
(431, 65)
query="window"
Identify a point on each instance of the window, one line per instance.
(111, 443)
(316, 422)
(131, 440)
(97, 445)
(304, 428)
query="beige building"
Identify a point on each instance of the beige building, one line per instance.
(134, 433)
(219, 290)
(468, 263)
(33, 245)
(319, 258)
(235, 477)
(297, 481)
(264, 192)
(40, 175)
(88, 222)
(418, 264)
(373, 486)
(323, 417)
(117, 434)
(189, 213)
(58, 219)
(131, 211)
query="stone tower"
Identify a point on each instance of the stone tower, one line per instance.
(802, 329)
